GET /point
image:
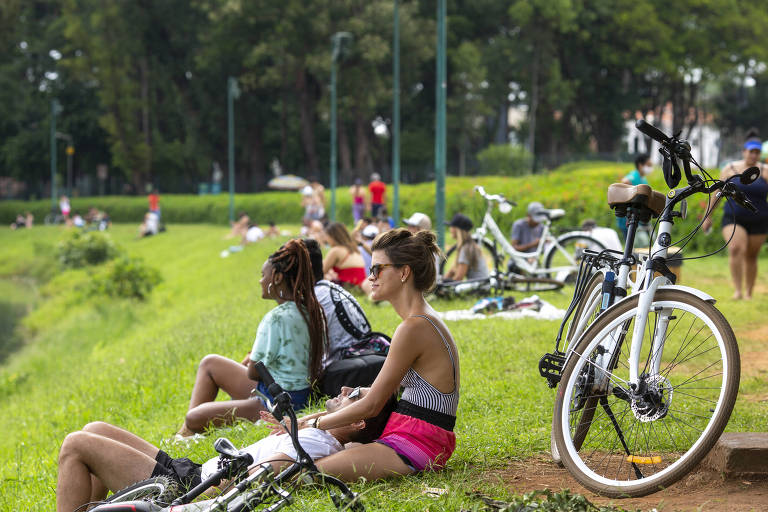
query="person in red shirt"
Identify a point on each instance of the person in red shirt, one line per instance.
(378, 191)
(154, 201)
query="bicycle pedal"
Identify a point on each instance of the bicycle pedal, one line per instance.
(551, 367)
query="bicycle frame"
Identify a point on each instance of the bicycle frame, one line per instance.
(646, 286)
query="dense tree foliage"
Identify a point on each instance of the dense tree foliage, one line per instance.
(142, 84)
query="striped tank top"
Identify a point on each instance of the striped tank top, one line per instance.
(421, 393)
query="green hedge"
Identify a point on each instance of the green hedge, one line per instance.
(579, 188)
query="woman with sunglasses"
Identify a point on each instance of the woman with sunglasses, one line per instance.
(423, 359)
(746, 230)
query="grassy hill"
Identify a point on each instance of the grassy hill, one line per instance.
(132, 363)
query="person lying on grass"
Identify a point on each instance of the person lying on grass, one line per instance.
(103, 457)
(422, 358)
(290, 340)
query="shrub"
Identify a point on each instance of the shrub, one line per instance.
(127, 278)
(505, 159)
(85, 248)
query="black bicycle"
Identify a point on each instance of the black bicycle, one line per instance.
(246, 487)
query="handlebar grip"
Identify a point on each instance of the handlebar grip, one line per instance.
(746, 203)
(651, 131)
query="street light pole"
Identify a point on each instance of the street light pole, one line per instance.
(233, 92)
(337, 41)
(440, 125)
(55, 110)
(396, 116)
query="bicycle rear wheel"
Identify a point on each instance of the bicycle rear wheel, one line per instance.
(622, 442)
(583, 316)
(527, 284)
(487, 249)
(565, 256)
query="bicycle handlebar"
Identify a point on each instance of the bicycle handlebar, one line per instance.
(492, 197)
(651, 131)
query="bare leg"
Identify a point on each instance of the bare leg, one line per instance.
(86, 458)
(736, 251)
(222, 413)
(216, 372)
(122, 436)
(372, 461)
(754, 243)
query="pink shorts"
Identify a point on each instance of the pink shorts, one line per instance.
(425, 445)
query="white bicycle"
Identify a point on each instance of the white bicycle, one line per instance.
(554, 262)
(649, 385)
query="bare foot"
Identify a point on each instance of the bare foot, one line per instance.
(736, 296)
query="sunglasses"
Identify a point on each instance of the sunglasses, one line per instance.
(376, 269)
(354, 394)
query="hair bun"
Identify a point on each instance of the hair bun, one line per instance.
(753, 133)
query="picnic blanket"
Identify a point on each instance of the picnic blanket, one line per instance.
(546, 311)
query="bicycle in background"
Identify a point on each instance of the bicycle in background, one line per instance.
(553, 263)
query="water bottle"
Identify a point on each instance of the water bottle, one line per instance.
(608, 286)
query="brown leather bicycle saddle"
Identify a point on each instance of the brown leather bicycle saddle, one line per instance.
(644, 195)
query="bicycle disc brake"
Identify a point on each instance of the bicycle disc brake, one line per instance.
(653, 401)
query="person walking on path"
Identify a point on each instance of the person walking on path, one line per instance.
(746, 230)
(378, 190)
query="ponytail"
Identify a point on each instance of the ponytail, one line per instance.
(292, 260)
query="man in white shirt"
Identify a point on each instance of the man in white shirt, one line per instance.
(103, 457)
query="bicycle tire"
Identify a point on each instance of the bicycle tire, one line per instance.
(487, 249)
(570, 256)
(602, 463)
(160, 490)
(527, 284)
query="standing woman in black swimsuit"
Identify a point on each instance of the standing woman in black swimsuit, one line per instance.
(748, 229)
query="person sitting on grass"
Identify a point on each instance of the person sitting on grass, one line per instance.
(240, 226)
(290, 340)
(345, 327)
(470, 262)
(422, 358)
(103, 457)
(343, 264)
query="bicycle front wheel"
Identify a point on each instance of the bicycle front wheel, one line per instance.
(160, 490)
(564, 257)
(622, 441)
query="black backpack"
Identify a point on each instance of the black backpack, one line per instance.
(348, 311)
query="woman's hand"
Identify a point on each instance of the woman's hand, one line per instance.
(276, 428)
(244, 362)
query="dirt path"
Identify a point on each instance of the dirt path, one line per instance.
(702, 490)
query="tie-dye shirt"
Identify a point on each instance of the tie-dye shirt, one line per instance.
(282, 344)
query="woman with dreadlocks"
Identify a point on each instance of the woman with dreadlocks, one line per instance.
(290, 341)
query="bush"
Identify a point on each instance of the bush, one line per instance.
(85, 248)
(505, 159)
(127, 278)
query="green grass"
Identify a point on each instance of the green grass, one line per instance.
(132, 364)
